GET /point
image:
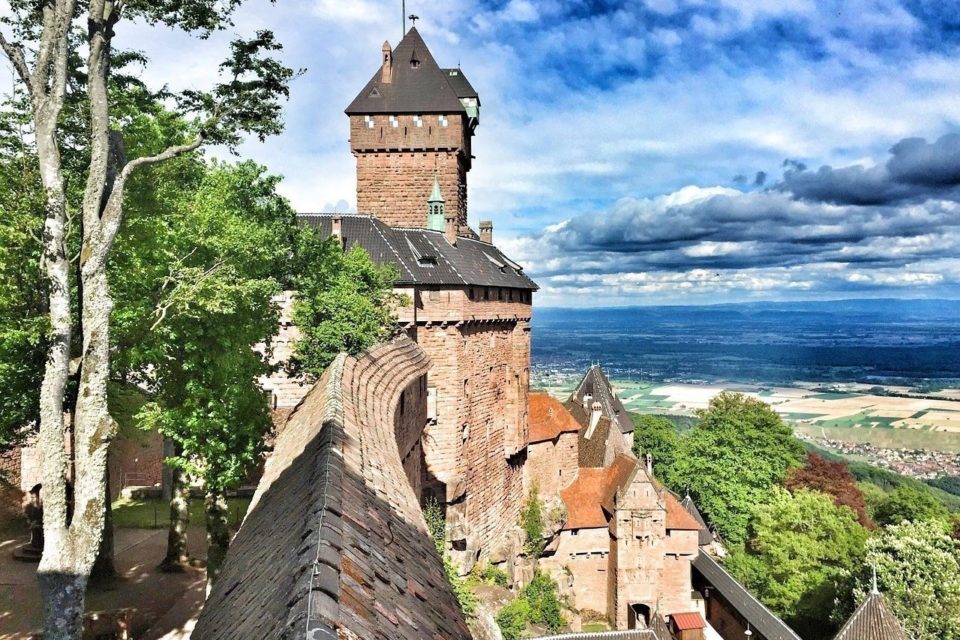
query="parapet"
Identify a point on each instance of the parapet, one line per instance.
(335, 544)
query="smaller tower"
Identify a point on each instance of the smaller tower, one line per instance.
(435, 208)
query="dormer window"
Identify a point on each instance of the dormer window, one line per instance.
(414, 63)
(394, 121)
(418, 121)
(443, 121)
(368, 121)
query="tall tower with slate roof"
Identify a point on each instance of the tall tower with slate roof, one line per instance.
(413, 121)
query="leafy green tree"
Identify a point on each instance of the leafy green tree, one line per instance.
(232, 239)
(738, 452)
(344, 302)
(918, 571)
(911, 504)
(658, 437)
(537, 603)
(44, 50)
(800, 550)
(23, 324)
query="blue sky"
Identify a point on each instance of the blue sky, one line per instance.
(681, 151)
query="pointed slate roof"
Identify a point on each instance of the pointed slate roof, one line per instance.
(424, 88)
(873, 620)
(596, 384)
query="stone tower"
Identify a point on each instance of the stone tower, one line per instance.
(412, 125)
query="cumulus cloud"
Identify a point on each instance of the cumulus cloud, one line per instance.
(896, 227)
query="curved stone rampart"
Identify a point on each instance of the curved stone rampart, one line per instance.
(335, 544)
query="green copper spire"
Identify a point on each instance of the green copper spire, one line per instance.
(435, 208)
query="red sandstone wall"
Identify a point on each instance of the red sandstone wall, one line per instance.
(552, 465)
(581, 567)
(396, 166)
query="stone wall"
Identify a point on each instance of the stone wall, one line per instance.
(580, 566)
(396, 166)
(552, 465)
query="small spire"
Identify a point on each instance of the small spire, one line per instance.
(876, 591)
(435, 195)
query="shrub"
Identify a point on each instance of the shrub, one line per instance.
(532, 522)
(437, 525)
(538, 603)
(490, 574)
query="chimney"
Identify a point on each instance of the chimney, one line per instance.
(336, 229)
(486, 231)
(451, 229)
(649, 464)
(597, 412)
(587, 401)
(386, 75)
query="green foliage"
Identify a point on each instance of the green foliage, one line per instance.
(514, 618)
(950, 484)
(216, 259)
(155, 513)
(23, 325)
(491, 574)
(918, 571)
(658, 437)
(437, 525)
(800, 550)
(833, 479)
(732, 459)
(532, 523)
(343, 302)
(537, 603)
(911, 504)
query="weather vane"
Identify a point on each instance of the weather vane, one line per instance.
(413, 18)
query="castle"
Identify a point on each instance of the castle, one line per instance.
(335, 544)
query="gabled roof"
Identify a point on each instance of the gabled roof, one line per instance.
(679, 518)
(424, 88)
(705, 536)
(873, 620)
(423, 256)
(460, 84)
(596, 384)
(590, 498)
(751, 609)
(687, 621)
(548, 418)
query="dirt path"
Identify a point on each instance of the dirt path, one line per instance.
(151, 593)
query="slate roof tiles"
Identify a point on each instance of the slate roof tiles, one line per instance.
(873, 620)
(423, 256)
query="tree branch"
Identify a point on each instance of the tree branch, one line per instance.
(15, 53)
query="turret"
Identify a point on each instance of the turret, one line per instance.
(435, 208)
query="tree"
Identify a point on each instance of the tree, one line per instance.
(733, 458)
(833, 479)
(658, 437)
(531, 519)
(41, 49)
(801, 548)
(910, 504)
(918, 571)
(344, 302)
(233, 237)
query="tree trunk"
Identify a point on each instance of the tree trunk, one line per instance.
(103, 568)
(178, 556)
(218, 533)
(63, 601)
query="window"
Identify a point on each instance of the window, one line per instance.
(394, 121)
(418, 121)
(368, 121)
(443, 121)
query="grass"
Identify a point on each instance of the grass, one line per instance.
(595, 626)
(155, 514)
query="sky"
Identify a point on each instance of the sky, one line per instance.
(656, 151)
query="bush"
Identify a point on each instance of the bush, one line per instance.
(532, 522)
(513, 619)
(537, 603)
(490, 574)
(437, 524)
